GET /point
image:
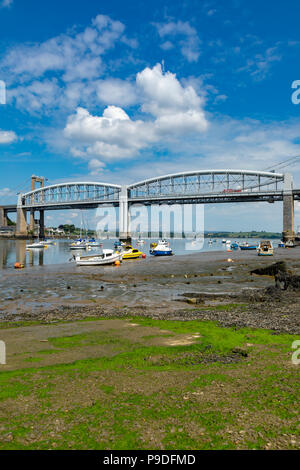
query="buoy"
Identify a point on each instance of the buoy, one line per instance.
(117, 263)
(19, 266)
(143, 256)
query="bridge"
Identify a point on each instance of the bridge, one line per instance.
(202, 186)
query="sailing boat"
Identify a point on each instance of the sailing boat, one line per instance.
(79, 244)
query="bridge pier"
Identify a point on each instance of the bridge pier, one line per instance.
(21, 229)
(32, 222)
(3, 217)
(42, 225)
(288, 209)
(124, 215)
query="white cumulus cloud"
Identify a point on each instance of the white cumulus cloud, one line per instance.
(175, 110)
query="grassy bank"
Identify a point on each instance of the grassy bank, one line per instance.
(142, 383)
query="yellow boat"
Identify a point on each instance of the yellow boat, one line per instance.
(131, 253)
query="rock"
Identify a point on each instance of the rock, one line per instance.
(192, 301)
(285, 281)
(272, 270)
(241, 351)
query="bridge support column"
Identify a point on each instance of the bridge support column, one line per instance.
(288, 209)
(42, 225)
(124, 215)
(21, 229)
(32, 223)
(3, 217)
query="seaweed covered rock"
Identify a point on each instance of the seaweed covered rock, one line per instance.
(285, 281)
(272, 270)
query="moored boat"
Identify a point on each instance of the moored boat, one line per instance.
(247, 246)
(106, 257)
(39, 245)
(162, 248)
(131, 253)
(78, 245)
(265, 248)
(234, 246)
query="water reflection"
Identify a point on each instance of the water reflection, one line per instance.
(12, 251)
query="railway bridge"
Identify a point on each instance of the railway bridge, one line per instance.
(199, 186)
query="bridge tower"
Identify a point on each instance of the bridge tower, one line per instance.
(124, 215)
(288, 209)
(3, 217)
(21, 229)
(34, 181)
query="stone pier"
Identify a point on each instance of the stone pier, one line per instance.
(21, 229)
(3, 217)
(288, 209)
(42, 225)
(124, 215)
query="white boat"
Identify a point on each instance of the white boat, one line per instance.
(92, 243)
(39, 245)
(106, 257)
(224, 241)
(228, 242)
(78, 245)
(161, 249)
(265, 248)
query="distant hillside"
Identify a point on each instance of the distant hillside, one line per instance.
(252, 234)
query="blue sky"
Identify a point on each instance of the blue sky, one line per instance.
(183, 85)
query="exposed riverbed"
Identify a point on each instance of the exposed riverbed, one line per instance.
(220, 282)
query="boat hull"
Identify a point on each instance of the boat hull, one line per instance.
(245, 248)
(132, 255)
(97, 261)
(161, 253)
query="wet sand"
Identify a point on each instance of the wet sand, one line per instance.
(209, 285)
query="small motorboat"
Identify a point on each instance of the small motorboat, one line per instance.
(281, 244)
(106, 257)
(224, 241)
(49, 242)
(131, 253)
(265, 248)
(92, 242)
(162, 248)
(228, 242)
(39, 245)
(247, 246)
(234, 246)
(78, 245)
(289, 244)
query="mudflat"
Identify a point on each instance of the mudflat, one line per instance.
(189, 352)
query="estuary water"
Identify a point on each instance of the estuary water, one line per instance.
(12, 251)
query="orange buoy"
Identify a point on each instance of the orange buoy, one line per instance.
(117, 263)
(143, 256)
(19, 266)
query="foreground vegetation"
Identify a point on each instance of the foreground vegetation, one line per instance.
(150, 384)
